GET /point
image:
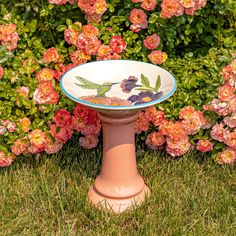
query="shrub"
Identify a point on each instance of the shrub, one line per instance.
(40, 41)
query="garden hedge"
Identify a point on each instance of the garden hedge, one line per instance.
(41, 40)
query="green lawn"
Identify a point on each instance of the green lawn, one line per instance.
(47, 196)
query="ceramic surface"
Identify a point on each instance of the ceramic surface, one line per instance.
(118, 86)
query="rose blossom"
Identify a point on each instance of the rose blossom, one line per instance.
(138, 18)
(231, 121)
(20, 147)
(219, 133)
(53, 147)
(37, 140)
(194, 124)
(70, 36)
(1, 72)
(51, 55)
(11, 127)
(226, 157)
(3, 130)
(117, 44)
(186, 112)
(24, 124)
(220, 107)
(154, 116)
(154, 140)
(61, 133)
(5, 160)
(104, 50)
(232, 104)
(89, 141)
(79, 57)
(187, 3)
(173, 130)
(226, 92)
(177, 148)
(45, 74)
(151, 42)
(90, 31)
(230, 139)
(141, 124)
(170, 8)
(204, 145)
(23, 91)
(45, 94)
(149, 5)
(62, 118)
(157, 57)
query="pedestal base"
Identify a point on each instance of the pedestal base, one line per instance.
(117, 205)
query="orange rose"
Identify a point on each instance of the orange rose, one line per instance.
(226, 92)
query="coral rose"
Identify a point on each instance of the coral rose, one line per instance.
(5, 160)
(1, 72)
(177, 148)
(204, 145)
(155, 139)
(149, 5)
(157, 57)
(51, 55)
(186, 112)
(226, 157)
(141, 124)
(151, 42)
(226, 92)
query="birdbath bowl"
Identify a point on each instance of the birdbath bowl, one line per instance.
(118, 90)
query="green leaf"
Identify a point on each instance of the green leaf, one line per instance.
(219, 146)
(61, 28)
(158, 83)
(144, 80)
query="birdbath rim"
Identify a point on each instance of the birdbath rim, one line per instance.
(113, 109)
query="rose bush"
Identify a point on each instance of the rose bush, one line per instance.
(41, 40)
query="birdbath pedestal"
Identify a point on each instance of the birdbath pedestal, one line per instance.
(119, 186)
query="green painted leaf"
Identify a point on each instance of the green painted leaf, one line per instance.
(86, 86)
(158, 83)
(144, 89)
(88, 83)
(144, 80)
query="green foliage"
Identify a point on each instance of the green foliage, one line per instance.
(197, 47)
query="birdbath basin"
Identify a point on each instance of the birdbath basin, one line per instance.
(118, 90)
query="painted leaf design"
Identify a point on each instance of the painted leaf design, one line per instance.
(158, 83)
(144, 80)
(83, 86)
(144, 89)
(86, 83)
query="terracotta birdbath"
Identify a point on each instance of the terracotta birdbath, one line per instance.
(118, 90)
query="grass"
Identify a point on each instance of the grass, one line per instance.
(48, 196)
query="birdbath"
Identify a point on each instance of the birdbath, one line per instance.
(118, 90)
